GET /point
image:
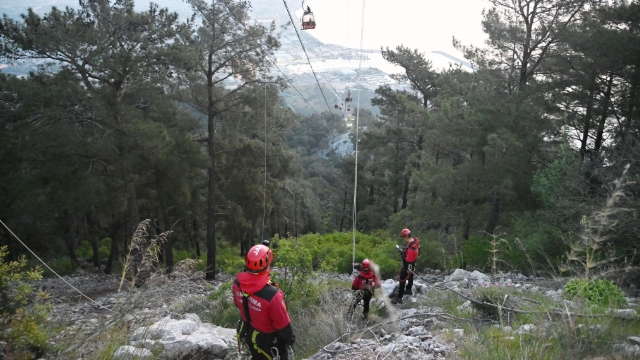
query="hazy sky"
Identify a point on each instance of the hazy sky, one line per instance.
(427, 25)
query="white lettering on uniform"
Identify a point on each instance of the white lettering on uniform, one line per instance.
(255, 302)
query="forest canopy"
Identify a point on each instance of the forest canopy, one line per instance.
(142, 116)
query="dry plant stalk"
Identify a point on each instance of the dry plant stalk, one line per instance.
(591, 253)
(495, 241)
(142, 255)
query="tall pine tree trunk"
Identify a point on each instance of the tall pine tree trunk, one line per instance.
(168, 244)
(405, 191)
(632, 99)
(211, 198)
(603, 116)
(196, 238)
(493, 214)
(344, 208)
(114, 234)
(587, 118)
(68, 236)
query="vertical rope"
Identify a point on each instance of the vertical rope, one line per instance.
(264, 188)
(355, 180)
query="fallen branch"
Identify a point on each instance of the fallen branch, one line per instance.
(556, 312)
(531, 300)
(482, 303)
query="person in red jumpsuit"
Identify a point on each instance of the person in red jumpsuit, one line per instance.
(365, 283)
(264, 326)
(409, 255)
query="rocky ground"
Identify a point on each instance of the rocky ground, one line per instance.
(168, 303)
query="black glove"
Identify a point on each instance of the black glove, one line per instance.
(292, 341)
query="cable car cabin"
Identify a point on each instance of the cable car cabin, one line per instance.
(348, 99)
(308, 21)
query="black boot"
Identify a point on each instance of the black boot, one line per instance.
(396, 300)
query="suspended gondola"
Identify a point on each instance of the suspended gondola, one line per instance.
(308, 21)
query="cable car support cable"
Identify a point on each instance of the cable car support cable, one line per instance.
(355, 178)
(269, 58)
(305, 53)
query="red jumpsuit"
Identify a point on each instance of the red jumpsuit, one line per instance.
(269, 327)
(366, 282)
(409, 257)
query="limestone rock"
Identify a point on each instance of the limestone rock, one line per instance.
(128, 352)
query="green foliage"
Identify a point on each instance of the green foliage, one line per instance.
(537, 240)
(595, 292)
(227, 258)
(476, 252)
(179, 255)
(333, 252)
(20, 309)
(500, 295)
(224, 311)
(85, 251)
(294, 272)
(553, 183)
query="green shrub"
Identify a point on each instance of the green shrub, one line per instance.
(294, 272)
(476, 252)
(333, 252)
(84, 250)
(63, 266)
(21, 311)
(228, 258)
(224, 311)
(595, 292)
(495, 294)
(179, 255)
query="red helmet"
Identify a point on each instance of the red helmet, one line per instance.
(366, 265)
(259, 259)
(405, 233)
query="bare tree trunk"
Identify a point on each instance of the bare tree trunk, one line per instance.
(68, 237)
(632, 99)
(603, 116)
(493, 215)
(93, 235)
(114, 234)
(587, 118)
(168, 244)
(134, 218)
(196, 238)
(466, 227)
(405, 191)
(344, 207)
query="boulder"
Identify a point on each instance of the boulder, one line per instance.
(479, 277)
(186, 338)
(128, 352)
(457, 275)
(625, 313)
(526, 328)
(388, 286)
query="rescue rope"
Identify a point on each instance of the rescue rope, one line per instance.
(355, 179)
(264, 188)
(50, 269)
